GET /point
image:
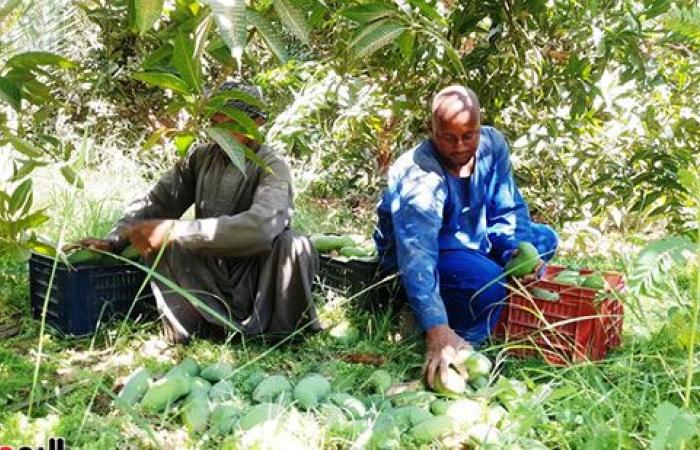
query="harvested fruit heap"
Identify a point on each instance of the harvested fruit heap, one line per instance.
(345, 246)
(234, 406)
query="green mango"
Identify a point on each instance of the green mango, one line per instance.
(380, 381)
(217, 371)
(524, 262)
(165, 392)
(325, 243)
(544, 294)
(568, 277)
(86, 256)
(131, 253)
(593, 281)
(188, 367)
(259, 414)
(311, 390)
(453, 385)
(271, 388)
(135, 386)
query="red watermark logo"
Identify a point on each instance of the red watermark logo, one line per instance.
(53, 444)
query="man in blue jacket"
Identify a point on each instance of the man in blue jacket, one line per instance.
(449, 221)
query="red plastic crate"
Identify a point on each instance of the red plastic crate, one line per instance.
(575, 328)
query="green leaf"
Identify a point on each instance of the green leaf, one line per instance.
(154, 138)
(32, 220)
(9, 7)
(10, 93)
(183, 142)
(71, 176)
(269, 35)
(163, 80)
(144, 14)
(27, 167)
(230, 18)
(218, 100)
(233, 149)
(406, 42)
(293, 19)
(672, 426)
(30, 60)
(183, 60)
(246, 122)
(375, 36)
(24, 147)
(21, 196)
(689, 180)
(369, 12)
(38, 92)
(158, 58)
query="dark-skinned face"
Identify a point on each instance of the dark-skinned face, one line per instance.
(455, 133)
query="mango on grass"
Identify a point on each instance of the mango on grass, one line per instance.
(200, 386)
(439, 406)
(311, 390)
(524, 262)
(453, 384)
(217, 371)
(223, 417)
(253, 381)
(419, 398)
(380, 380)
(329, 413)
(352, 406)
(271, 388)
(259, 414)
(409, 416)
(431, 429)
(195, 412)
(465, 411)
(188, 367)
(165, 392)
(135, 386)
(478, 365)
(221, 391)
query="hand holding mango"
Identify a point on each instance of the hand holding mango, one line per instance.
(524, 261)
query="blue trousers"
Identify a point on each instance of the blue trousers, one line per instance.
(472, 286)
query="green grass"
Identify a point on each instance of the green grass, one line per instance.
(610, 404)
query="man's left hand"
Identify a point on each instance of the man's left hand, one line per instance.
(149, 236)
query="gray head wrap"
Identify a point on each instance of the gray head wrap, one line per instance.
(254, 91)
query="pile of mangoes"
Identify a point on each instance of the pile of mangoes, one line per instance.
(348, 246)
(594, 280)
(220, 401)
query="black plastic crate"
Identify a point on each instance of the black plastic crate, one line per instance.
(350, 277)
(85, 295)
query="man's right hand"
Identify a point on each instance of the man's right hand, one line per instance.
(97, 244)
(443, 346)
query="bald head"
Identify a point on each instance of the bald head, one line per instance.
(456, 126)
(456, 104)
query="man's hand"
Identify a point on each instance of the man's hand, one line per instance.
(149, 236)
(443, 345)
(94, 243)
